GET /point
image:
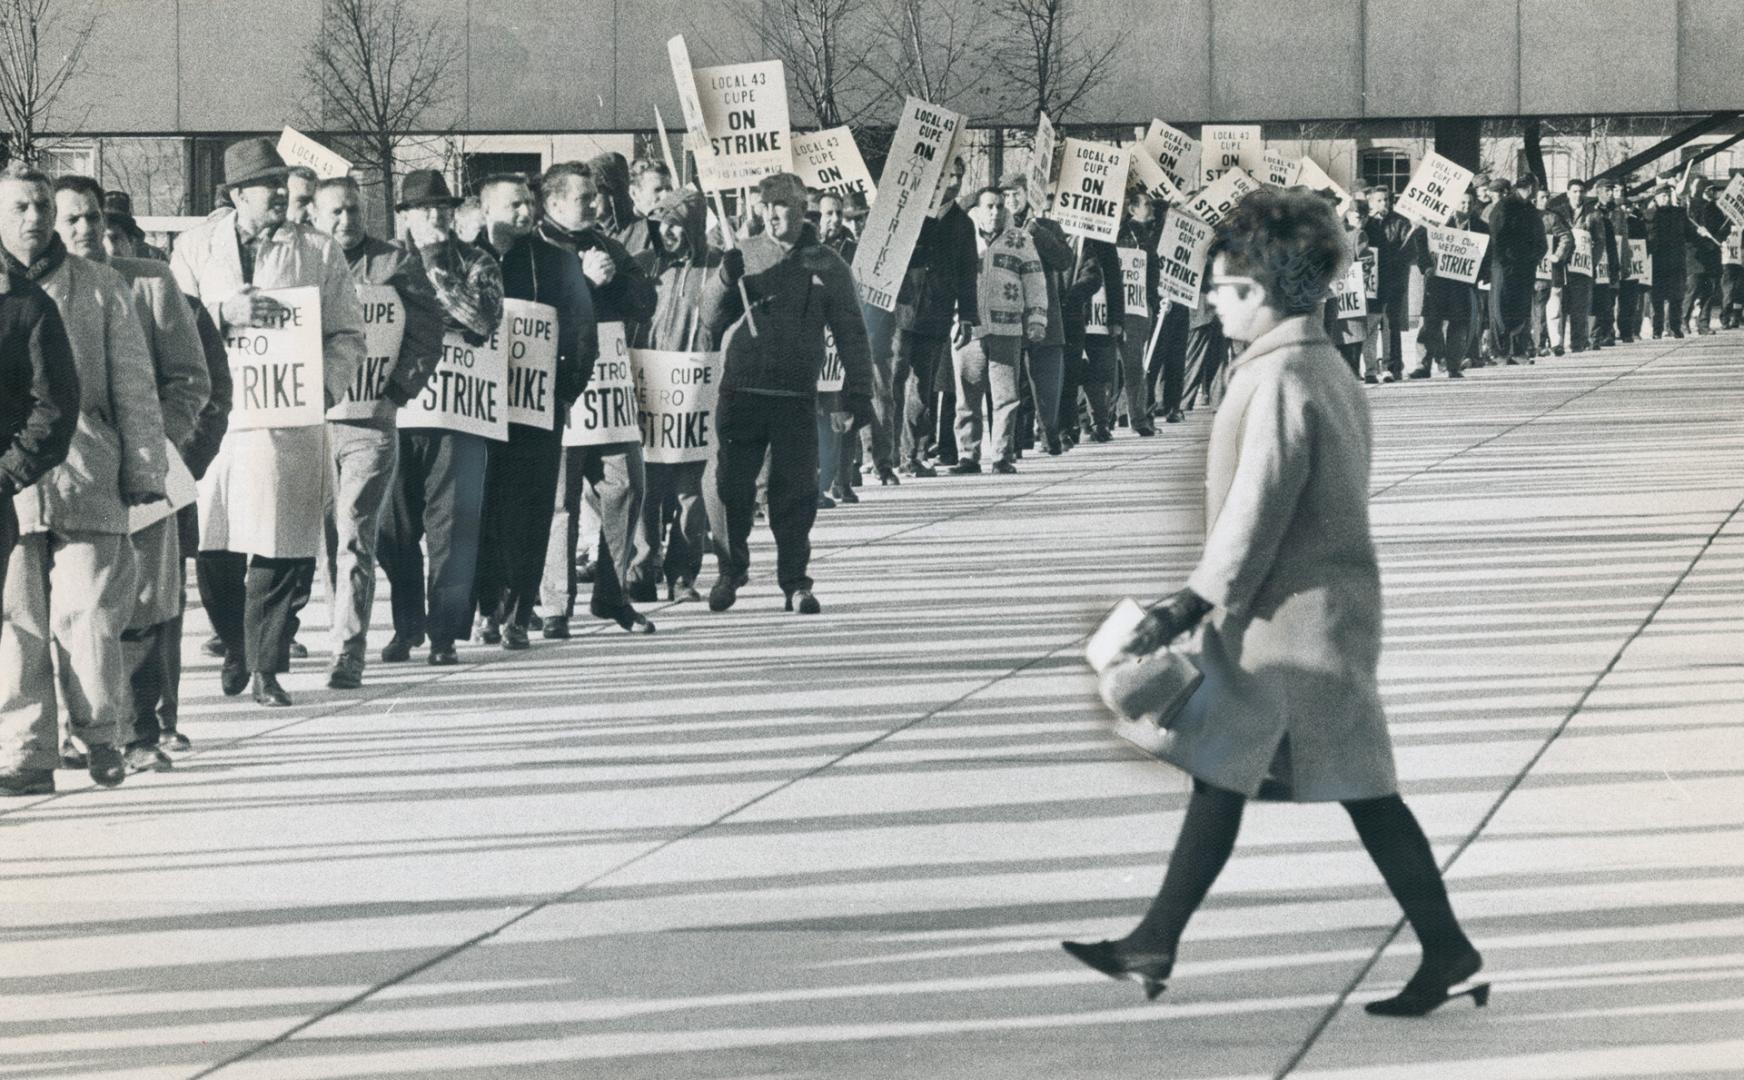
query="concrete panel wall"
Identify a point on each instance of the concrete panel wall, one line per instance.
(1271, 60)
(1597, 56)
(1710, 57)
(242, 61)
(1165, 67)
(1449, 58)
(130, 83)
(533, 72)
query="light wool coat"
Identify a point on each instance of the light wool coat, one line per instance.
(1290, 653)
(263, 493)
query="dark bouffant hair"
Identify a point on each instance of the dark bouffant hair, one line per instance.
(1289, 241)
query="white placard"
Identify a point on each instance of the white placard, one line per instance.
(1217, 201)
(1176, 151)
(1458, 254)
(298, 149)
(690, 104)
(830, 161)
(277, 372)
(1731, 200)
(1040, 174)
(676, 394)
(465, 392)
(911, 176)
(1434, 191)
(1181, 251)
(744, 107)
(1223, 147)
(1544, 269)
(1279, 170)
(1310, 174)
(606, 411)
(1601, 269)
(180, 489)
(1640, 262)
(1135, 274)
(528, 337)
(1091, 192)
(1732, 251)
(384, 328)
(1348, 301)
(1149, 178)
(1581, 262)
(832, 376)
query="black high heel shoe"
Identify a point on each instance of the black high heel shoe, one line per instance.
(1428, 989)
(1152, 969)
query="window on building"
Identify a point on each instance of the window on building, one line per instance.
(1718, 166)
(1385, 166)
(68, 161)
(479, 166)
(1558, 167)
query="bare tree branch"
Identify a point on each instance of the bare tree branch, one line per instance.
(828, 48)
(377, 71)
(42, 49)
(931, 49)
(1049, 61)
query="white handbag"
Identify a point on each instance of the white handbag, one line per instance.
(1145, 691)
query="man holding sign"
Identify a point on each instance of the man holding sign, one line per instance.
(1453, 261)
(403, 327)
(260, 503)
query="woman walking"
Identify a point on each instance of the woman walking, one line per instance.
(1289, 707)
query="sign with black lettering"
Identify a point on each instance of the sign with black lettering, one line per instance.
(384, 327)
(277, 371)
(830, 161)
(1217, 200)
(1581, 262)
(675, 399)
(1640, 262)
(832, 376)
(1458, 254)
(1731, 200)
(744, 107)
(606, 412)
(1133, 271)
(1229, 146)
(918, 157)
(1435, 189)
(1310, 174)
(1091, 192)
(1348, 300)
(1146, 177)
(466, 392)
(1181, 251)
(1039, 176)
(528, 337)
(1280, 170)
(1176, 151)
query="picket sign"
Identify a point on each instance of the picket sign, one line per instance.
(1544, 269)
(911, 175)
(1731, 200)
(384, 327)
(676, 395)
(277, 371)
(606, 411)
(528, 338)
(1601, 269)
(1148, 177)
(1311, 175)
(1371, 270)
(1218, 199)
(744, 110)
(1224, 147)
(1458, 254)
(1278, 170)
(695, 126)
(1434, 190)
(1640, 262)
(1176, 152)
(1181, 251)
(830, 161)
(1581, 262)
(1348, 298)
(1732, 251)
(180, 489)
(465, 393)
(1039, 175)
(832, 376)
(665, 145)
(1135, 274)
(1091, 192)
(298, 149)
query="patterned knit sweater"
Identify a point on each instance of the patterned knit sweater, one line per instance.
(1012, 291)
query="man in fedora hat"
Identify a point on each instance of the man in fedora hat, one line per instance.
(260, 504)
(118, 210)
(363, 447)
(439, 494)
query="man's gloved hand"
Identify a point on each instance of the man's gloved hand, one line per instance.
(732, 265)
(1167, 621)
(860, 407)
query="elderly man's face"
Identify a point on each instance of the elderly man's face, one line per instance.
(1380, 202)
(571, 202)
(26, 218)
(988, 213)
(508, 210)
(1016, 201)
(261, 204)
(79, 220)
(339, 213)
(300, 200)
(829, 214)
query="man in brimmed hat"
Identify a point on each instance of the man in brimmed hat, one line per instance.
(118, 210)
(1668, 231)
(260, 509)
(438, 497)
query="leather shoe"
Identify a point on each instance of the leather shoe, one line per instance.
(554, 628)
(146, 759)
(1175, 417)
(802, 601)
(268, 692)
(345, 677)
(213, 647)
(72, 757)
(515, 637)
(298, 650)
(724, 592)
(107, 766)
(27, 782)
(682, 591)
(887, 476)
(233, 678)
(489, 632)
(443, 655)
(1005, 467)
(966, 467)
(397, 651)
(920, 469)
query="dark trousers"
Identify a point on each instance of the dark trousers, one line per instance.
(438, 498)
(1043, 364)
(253, 602)
(520, 493)
(1731, 295)
(1395, 309)
(1444, 338)
(1604, 314)
(753, 427)
(1629, 310)
(1511, 311)
(1169, 359)
(1698, 302)
(1207, 349)
(915, 383)
(154, 671)
(1072, 364)
(1666, 298)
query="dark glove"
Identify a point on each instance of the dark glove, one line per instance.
(1167, 621)
(397, 394)
(732, 266)
(860, 405)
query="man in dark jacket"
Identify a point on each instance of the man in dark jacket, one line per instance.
(1668, 232)
(521, 480)
(771, 357)
(1517, 243)
(1708, 231)
(362, 434)
(1609, 253)
(1389, 235)
(1585, 230)
(1045, 359)
(1450, 306)
(1630, 226)
(622, 293)
(1092, 360)
(39, 396)
(937, 292)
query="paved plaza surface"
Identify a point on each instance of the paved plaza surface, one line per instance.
(756, 845)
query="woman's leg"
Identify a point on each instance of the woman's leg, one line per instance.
(1402, 854)
(1207, 837)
